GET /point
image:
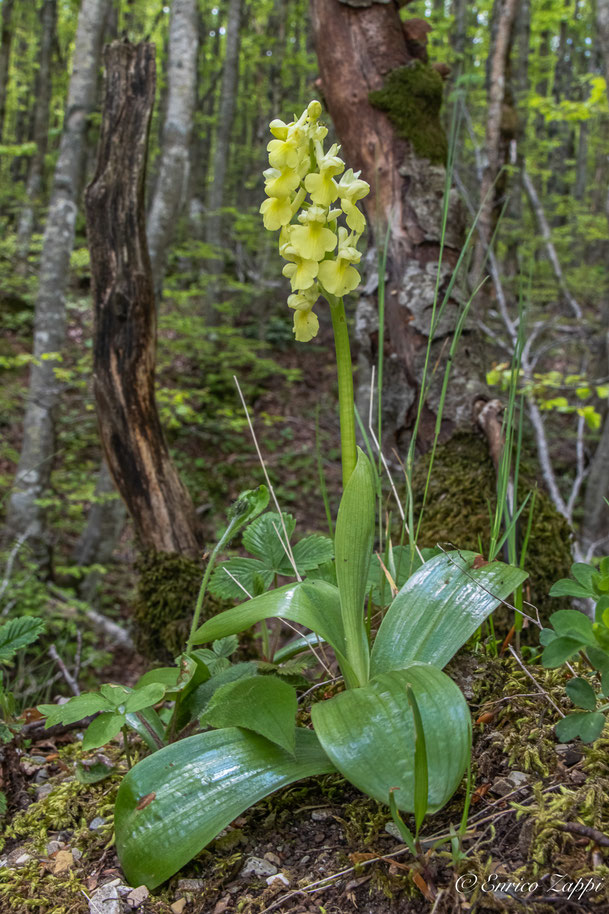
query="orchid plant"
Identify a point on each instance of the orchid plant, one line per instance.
(398, 728)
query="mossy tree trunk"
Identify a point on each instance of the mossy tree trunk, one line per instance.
(384, 98)
(125, 313)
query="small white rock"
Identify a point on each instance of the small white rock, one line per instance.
(97, 823)
(392, 829)
(76, 853)
(190, 885)
(278, 877)
(256, 866)
(137, 896)
(319, 815)
(22, 859)
(105, 900)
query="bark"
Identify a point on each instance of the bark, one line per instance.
(125, 313)
(41, 127)
(38, 447)
(226, 113)
(359, 50)
(172, 182)
(6, 36)
(506, 11)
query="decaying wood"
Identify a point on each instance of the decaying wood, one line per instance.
(125, 313)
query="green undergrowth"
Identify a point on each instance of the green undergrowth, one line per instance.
(461, 501)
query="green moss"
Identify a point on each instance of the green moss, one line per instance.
(461, 498)
(412, 97)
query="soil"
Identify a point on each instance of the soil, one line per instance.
(537, 809)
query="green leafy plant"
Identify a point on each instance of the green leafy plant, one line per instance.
(573, 633)
(387, 731)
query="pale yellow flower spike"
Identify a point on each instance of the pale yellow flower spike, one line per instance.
(319, 250)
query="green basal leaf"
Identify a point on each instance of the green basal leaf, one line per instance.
(405, 833)
(196, 787)
(297, 646)
(369, 734)
(353, 543)
(314, 604)
(101, 730)
(421, 771)
(147, 724)
(144, 697)
(581, 693)
(263, 704)
(587, 726)
(572, 624)
(17, 634)
(558, 651)
(75, 709)
(165, 675)
(439, 609)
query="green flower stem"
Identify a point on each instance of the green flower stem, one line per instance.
(346, 404)
(203, 588)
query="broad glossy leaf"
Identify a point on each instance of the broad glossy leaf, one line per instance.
(405, 564)
(199, 785)
(263, 704)
(439, 608)
(369, 734)
(314, 604)
(353, 543)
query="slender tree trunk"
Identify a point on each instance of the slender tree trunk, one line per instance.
(505, 12)
(125, 313)
(41, 127)
(363, 48)
(226, 113)
(38, 447)
(6, 35)
(172, 180)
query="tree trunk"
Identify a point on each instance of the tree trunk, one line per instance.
(38, 447)
(41, 127)
(402, 154)
(172, 181)
(125, 313)
(226, 113)
(6, 36)
(505, 12)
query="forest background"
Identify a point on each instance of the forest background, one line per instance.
(521, 220)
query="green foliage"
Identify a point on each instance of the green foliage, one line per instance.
(264, 539)
(571, 633)
(412, 98)
(15, 635)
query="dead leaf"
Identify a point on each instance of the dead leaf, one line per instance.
(146, 800)
(486, 717)
(479, 562)
(63, 862)
(420, 883)
(178, 906)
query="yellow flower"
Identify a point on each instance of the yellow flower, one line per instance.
(284, 153)
(301, 273)
(276, 211)
(312, 239)
(306, 323)
(351, 187)
(355, 219)
(322, 187)
(281, 183)
(339, 276)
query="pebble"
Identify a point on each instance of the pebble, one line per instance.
(97, 823)
(392, 829)
(43, 790)
(76, 853)
(105, 900)
(178, 906)
(512, 781)
(278, 877)
(272, 858)
(319, 815)
(256, 866)
(22, 859)
(54, 846)
(190, 885)
(137, 896)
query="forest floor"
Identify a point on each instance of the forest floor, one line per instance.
(539, 810)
